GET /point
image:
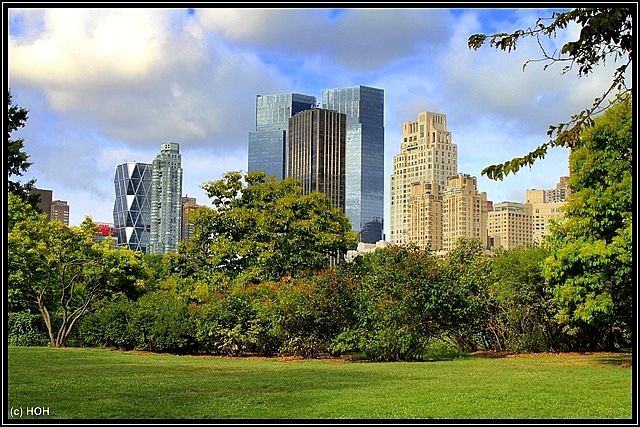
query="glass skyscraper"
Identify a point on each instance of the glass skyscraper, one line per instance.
(268, 144)
(364, 204)
(316, 153)
(166, 200)
(132, 207)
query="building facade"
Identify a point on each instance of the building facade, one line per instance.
(509, 225)
(46, 199)
(542, 214)
(105, 231)
(166, 199)
(464, 212)
(316, 152)
(424, 218)
(189, 205)
(558, 194)
(546, 206)
(364, 197)
(514, 224)
(427, 154)
(268, 144)
(60, 211)
(132, 207)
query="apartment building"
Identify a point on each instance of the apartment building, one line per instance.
(427, 154)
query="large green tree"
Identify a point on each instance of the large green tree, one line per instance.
(17, 158)
(519, 314)
(591, 265)
(62, 272)
(263, 229)
(605, 36)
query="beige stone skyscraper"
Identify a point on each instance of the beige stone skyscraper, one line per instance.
(464, 211)
(424, 219)
(427, 154)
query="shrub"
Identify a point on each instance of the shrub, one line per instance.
(162, 323)
(109, 326)
(26, 329)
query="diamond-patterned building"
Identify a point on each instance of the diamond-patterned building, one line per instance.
(132, 207)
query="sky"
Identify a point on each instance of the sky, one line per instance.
(108, 86)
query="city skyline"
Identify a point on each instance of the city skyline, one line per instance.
(126, 81)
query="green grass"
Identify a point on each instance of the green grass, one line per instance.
(75, 383)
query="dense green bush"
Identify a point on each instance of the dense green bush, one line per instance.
(162, 323)
(26, 329)
(310, 313)
(221, 325)
(396, 304)
(109, 326)
(519, 310)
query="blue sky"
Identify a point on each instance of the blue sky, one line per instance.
(108, 86)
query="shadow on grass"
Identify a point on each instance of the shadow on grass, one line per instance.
(623, 360)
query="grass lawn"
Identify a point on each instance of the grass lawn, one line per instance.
(77, 383)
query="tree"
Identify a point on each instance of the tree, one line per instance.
(62, 272)
(17, 212)
(606, 34)
(17, 162)
(465, 273)
(263, 229)
(591, 265)
(520, 312)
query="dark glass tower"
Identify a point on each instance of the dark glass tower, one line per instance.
(268, 144)
(316, 153)
(364, 204)
(132, 207)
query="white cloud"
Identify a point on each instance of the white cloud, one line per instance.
(84, 46)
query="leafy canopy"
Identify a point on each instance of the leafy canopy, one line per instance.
(262, 229)
(17, 158)
(591, 265)
(61, 272)
(605, 35)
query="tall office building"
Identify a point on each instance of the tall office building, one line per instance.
(132, 207)
(316, 152)
(267, 145)
(560, 193)
(55, 209)
(166, 199)
(364, 197)
(426, 154)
